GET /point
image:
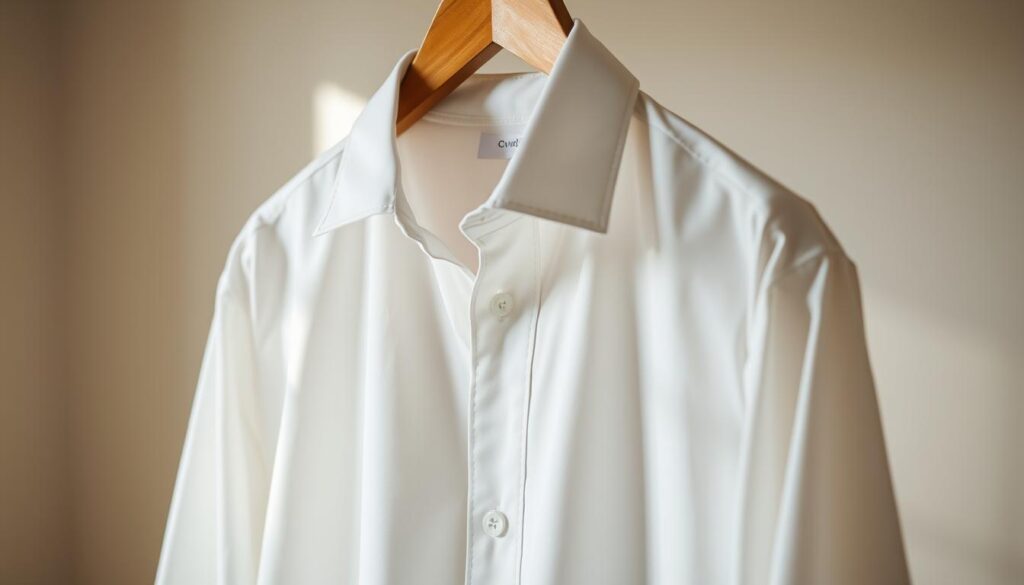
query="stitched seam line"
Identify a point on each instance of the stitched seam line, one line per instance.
(497, 227)
(613, 173)
(547, 213)
(816, 256)
(601, 222)
(525, 427)
(471, 500)
(700, 158)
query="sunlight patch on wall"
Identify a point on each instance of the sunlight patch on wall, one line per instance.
(334, 111)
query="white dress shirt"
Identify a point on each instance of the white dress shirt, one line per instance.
(551, 335)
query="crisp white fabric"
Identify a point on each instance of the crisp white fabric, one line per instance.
(657, 375)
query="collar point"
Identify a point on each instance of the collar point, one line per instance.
(335, 220)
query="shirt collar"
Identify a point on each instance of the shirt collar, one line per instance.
(565, 170)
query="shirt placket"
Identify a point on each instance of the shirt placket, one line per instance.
(503, 321)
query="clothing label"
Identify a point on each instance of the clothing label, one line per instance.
(498, 145)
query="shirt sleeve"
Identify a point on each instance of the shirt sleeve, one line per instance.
(214, 528)
(817, 504)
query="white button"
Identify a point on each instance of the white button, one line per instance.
(502, 304)
(495, 524)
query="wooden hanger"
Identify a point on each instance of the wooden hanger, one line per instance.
(465, 34)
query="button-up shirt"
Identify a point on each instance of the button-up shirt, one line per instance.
(552, 335)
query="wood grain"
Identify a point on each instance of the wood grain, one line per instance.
(465, 34)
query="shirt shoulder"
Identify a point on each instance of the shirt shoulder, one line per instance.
(282, 226)
(778, 228)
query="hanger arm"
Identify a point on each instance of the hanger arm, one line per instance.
(465, 34)
(533, 30)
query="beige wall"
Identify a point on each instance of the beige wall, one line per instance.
(34, 491)
(900, 119)
(130, 359)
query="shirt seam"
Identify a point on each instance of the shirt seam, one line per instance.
(471, 499)
(275, 206)
(809, 258)
(601, 223)
(525, 429)
(703, 160)
(762, 208)
(232, 298)
(547, 213)
(625, 122)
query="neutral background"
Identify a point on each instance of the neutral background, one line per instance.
(136, 136)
